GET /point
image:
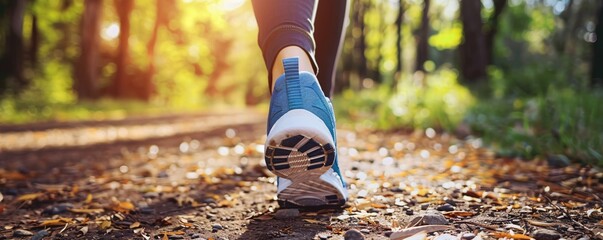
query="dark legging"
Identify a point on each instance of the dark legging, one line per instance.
(303, 23)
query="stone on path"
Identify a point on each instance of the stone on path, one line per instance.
(545, 234)
(353, 234)
(22, 233)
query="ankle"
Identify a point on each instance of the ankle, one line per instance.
(305, 64)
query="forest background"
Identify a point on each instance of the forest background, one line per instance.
(523, 75)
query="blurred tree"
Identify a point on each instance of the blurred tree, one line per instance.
(597, 61)
(122, 84)
(375, 62)
(221, 47)
(34, 43)
(399, 22)
(422, 37)
(472, 50)
(12, 59)
(359, 35)
(85, 83)
(164, 10)
(492, 29)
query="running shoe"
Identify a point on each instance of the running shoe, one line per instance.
(301, 144)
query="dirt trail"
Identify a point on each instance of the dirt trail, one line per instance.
(205, 180)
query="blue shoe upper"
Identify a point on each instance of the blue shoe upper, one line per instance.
(300, 90)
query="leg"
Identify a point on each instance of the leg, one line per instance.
(331, 21)
(286, 30)
(300, 144)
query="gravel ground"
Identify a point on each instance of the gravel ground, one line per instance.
(201, 177)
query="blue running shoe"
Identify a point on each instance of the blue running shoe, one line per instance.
(301, 144)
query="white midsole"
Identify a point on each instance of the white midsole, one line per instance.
(303, 122)
(300, 121)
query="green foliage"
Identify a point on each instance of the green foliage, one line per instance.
(558, 122)
(440, 102)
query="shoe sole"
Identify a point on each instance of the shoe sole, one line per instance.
(300, 149)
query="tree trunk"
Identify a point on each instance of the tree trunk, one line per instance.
(221, 49)
(122, 83)
(13, 57)
(376, 68)
(597, 63)
(399, 20)
(86, 81)
(360, 41)
(161, 11)
(34, 42)
(473, 49)
(499, 6)
(422, 46)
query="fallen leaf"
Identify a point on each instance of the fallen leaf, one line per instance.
(542, 224)
(379, 205)
(56, 222)
(84, 230)
(88, 211)
(88, 198)
(28, 197)
(459, 214)
(509, 235)
(104, 224)
(135, 225)
(227, 203)
(404, 233)
(13, 176)
(124, 207)
(514, 227)
(74, 190)
(170, 233)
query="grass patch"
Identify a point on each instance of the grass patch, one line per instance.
(562, 122)
(437, 101)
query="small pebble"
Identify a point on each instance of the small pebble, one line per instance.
(151, 195)
(545, 234)
(217, 226)
(353, 234)
(409, 212)
(467, 236)
(57, 209)
(40, 234)
(373, 210)
(365, 231)
(146, 210)
(450, 201)
(323, 236)
(22, 233)
(431, 218)
(446, 207)
(287, 213)
(424, 206)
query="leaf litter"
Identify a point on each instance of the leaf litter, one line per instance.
(184, 186)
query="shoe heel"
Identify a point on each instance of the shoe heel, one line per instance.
(299, 143)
